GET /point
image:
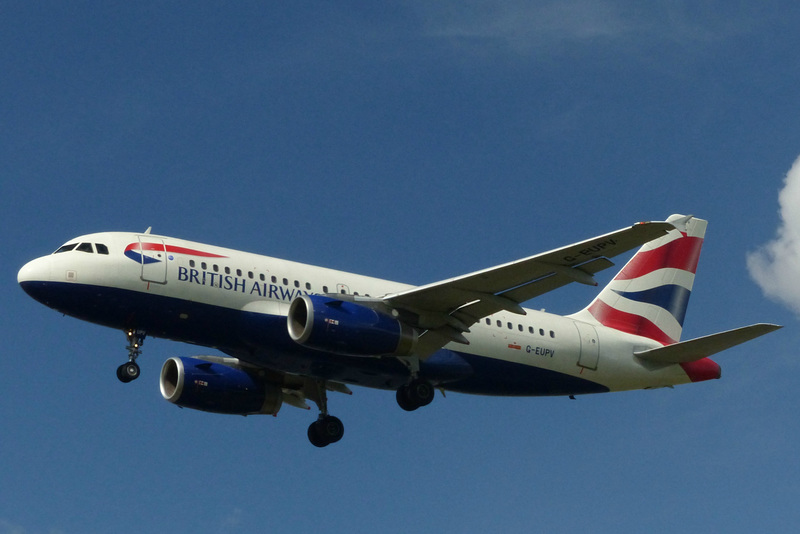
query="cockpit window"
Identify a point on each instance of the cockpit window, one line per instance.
(66, 248)
(85, 247)
(101, 248)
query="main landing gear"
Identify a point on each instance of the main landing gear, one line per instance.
(326, 429)
(130, 370)
(415, 394)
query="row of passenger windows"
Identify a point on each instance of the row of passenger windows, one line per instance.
(274, 279)
(102, 249)
(510, 326)
(261, 276)
(83, 247)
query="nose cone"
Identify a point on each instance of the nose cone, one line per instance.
(37, 270)
(34, 275)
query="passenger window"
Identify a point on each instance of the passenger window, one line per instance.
(250, 275)
(85, 247)
(324, 289)
(216, 268)
(296, 283)
(204, 266)
(286, 281)
(101, 248)
(65, 248)
(238, 272)
(308, 286)
(274, 279)
(488, 321)
(227, 270)
(499, 324)
(531, 330)
(520, 328)
(552, 334)
(191, 263)
(541, 331)
(262, 277)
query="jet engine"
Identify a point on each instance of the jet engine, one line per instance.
(212, 386)
(348, 328)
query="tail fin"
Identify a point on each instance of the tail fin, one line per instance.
(648, 297)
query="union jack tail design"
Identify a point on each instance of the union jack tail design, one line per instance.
(648, 297)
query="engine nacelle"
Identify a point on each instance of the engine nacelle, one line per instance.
(344, 327)
(213, 386)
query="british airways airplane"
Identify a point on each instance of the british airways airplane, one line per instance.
(292, 332)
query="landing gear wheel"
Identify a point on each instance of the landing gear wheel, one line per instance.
(415, 395)
(325, 430)
(128, 371)
(420, 392)
(403, 400)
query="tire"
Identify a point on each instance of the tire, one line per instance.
(420, 392)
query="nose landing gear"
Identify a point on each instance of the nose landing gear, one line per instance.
(130, 370)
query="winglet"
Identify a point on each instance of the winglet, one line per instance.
(680, 221)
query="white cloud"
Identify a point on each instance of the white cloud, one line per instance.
(526, 27)
(776, 265)
(522, 26)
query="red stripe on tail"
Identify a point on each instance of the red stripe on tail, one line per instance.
(628, 322)
(682, 254)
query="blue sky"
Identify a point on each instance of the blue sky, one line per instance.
(413, 141)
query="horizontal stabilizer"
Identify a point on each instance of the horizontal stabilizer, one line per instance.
(702, 347)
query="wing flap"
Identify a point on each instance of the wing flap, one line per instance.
(702, 347)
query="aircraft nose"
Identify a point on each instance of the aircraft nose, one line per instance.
(34, 271)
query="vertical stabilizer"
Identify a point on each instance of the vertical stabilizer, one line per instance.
(648, 297)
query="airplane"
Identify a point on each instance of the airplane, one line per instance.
(291, 333)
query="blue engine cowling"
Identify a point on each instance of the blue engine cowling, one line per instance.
(344, 327)
(215, 387)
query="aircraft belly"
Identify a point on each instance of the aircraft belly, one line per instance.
(506, 378)
(263, 339)
(258, 338)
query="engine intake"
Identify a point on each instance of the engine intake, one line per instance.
(344, 327)
(216, 387)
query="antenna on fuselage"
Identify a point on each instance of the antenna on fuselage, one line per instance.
(148, 230)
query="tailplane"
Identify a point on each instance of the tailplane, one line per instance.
(649, 296)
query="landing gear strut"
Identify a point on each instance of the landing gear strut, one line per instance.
(326, 429)
(130, 370)
(415, 394)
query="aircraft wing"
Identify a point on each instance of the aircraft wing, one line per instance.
(446, 309)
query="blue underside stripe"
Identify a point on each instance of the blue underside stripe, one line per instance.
(263, 339)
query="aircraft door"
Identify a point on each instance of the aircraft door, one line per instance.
(154, 259)
(590, 345)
